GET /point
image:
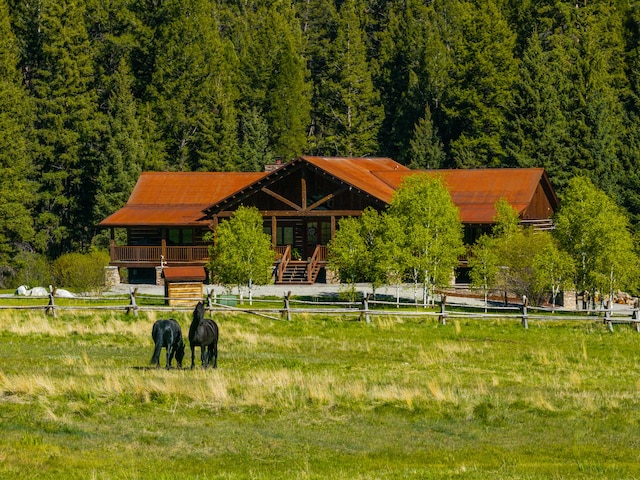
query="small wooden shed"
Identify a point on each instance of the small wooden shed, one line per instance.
(183, 286)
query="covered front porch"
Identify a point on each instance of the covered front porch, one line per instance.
(288, 268)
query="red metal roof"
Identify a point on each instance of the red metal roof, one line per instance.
(361, 173)
(177, 198)
(475, 191)
(185, 274)
(180, 198)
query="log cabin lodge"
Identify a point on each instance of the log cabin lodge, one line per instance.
(301, 202)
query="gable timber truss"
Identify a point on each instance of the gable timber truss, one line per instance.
(299, 207)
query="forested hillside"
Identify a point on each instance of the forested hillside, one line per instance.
(92, 92)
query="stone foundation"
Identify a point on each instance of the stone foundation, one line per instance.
(111, 276)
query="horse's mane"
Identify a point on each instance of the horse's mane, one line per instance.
(197, 318)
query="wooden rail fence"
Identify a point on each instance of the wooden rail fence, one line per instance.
(364, 310)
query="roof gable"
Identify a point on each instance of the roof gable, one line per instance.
(357, 173)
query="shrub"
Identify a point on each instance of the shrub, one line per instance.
(81, 271)
(31, 269)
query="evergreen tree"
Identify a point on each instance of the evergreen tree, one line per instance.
(318, 18)
(426, 148)
(412, 76)
(352, 109)
(539, 133)
(276, 77)
(125, 150)
(254, 142)
(68, 127)
(17, 190)
(586, 48)
(116, 34)
(483, 73)
(192, 88)
(629, 183)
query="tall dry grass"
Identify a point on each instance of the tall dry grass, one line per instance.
(266, 368)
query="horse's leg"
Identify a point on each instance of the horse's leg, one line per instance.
(170, 353)
(214, 351)
(193, 353)
(155, 360)
(203, 356)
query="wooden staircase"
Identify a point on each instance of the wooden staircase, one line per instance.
(300, 272)
(295, 272)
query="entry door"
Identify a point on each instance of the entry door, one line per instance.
(318, 232)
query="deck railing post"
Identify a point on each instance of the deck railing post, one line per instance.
(133, 307)
(525, 319)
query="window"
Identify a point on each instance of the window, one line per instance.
(180, 236)
(174, 236)
(284, 235)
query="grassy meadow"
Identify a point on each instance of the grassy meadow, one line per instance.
(319, 397)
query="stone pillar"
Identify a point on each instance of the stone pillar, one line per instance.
(331, 276)
(159, 278)
(567, 299)
(111, 276)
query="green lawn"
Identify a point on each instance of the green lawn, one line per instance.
(319, 398)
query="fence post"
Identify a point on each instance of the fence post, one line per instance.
(443, 313)
(525, 320)
(287, 306)
(365, 308)
(132, 302)
(51, 308)
(635, 315)
(607, 315)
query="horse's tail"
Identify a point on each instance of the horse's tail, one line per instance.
(157, 339)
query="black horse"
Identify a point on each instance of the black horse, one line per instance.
(167, 334)
(203, 333)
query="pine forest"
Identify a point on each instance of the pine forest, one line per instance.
(92, 92)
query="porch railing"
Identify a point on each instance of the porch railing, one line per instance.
(152, 254)
(318, 259)
(285, 257)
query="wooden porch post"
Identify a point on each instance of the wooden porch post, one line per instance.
(274, 236)
(214, 227)
(164, 244)
(303, 202)
(333, 226)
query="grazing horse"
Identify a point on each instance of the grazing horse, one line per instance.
(167, 334)
(203, 333)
